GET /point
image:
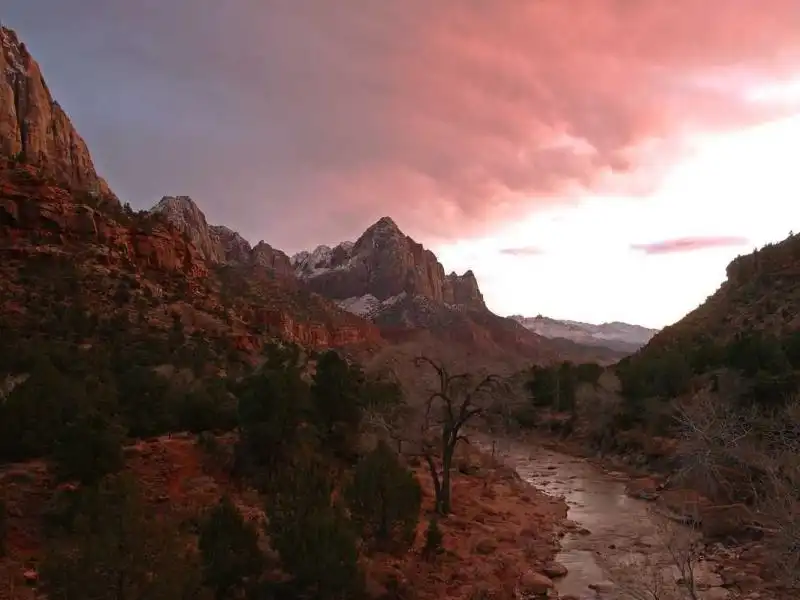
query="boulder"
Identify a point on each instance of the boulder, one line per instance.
(535, 584)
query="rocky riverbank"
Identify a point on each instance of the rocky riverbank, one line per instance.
(500, 541)
(624, 518)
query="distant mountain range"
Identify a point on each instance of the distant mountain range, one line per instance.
(622, 337)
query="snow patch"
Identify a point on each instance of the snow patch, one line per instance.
(368, 306)
(321, 260)
(634, 335)
(363, 306)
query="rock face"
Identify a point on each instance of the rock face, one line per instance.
(266, 256)
(43, 223)
(383, 264)
(37, 218)
(33, 127)
(462, 290)
(217, 243)
(184, 214)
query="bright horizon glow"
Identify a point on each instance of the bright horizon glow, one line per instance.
(745, 183)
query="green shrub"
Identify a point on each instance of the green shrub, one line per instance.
(89, 448)
(117, 550)
(384, 499)
(231, 557)
(316, 542)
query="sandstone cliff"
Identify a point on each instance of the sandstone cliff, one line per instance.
(33, 127)
(217, 243)
(122, 264)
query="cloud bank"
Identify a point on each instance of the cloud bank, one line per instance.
(301, 122)
(690, 244)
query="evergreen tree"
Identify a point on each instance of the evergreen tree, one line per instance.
(337, 396)
(117, 551)
(272, 405)
(384, 499)
(316, 542)
(89, 448)
(232, 559)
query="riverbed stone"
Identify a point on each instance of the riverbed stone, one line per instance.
(602, 587)
(715, 593)
(535, 584)
(554, 570)
(645, 488)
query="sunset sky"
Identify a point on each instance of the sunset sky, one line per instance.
(589, 159)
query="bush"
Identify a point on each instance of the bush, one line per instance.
(384, 499)
(337, 394)
(316, 542)
(232, 559)
(272, 405)
(89, 448)
(117, 550)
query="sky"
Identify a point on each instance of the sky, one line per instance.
(596, 160)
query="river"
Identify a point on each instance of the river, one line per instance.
(615, 543)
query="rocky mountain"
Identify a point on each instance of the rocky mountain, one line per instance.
(380, 267)
(217, 243)
(35, 129)
(387, 277)
(69, 250)
(140, 269)
(172, 261)
(617, 336)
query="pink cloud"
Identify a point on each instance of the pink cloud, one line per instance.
(451, 116)
(689, 244)
(522, 251)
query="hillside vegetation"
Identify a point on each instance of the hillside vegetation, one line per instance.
(712, 401)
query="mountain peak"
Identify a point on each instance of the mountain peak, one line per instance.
(384, 224)
(36, 131)
(184, 203)
(14, 52)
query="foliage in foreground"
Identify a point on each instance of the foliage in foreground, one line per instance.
(316, 541)
(384, 499)
(117, 550)
(231, 558)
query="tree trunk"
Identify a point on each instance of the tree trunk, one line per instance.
(437, 484)
(447, 463)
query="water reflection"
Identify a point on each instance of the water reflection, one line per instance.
(622, 532)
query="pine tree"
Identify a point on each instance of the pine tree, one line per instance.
(384, 499)
(315, 540)
(232, 559)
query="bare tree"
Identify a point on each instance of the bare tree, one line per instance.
(455, 401)
(753, 458)
(670, 571)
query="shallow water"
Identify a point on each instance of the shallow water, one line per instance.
(623, 541)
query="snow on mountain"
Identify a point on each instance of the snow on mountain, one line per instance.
(616, 335)
(322, 260)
